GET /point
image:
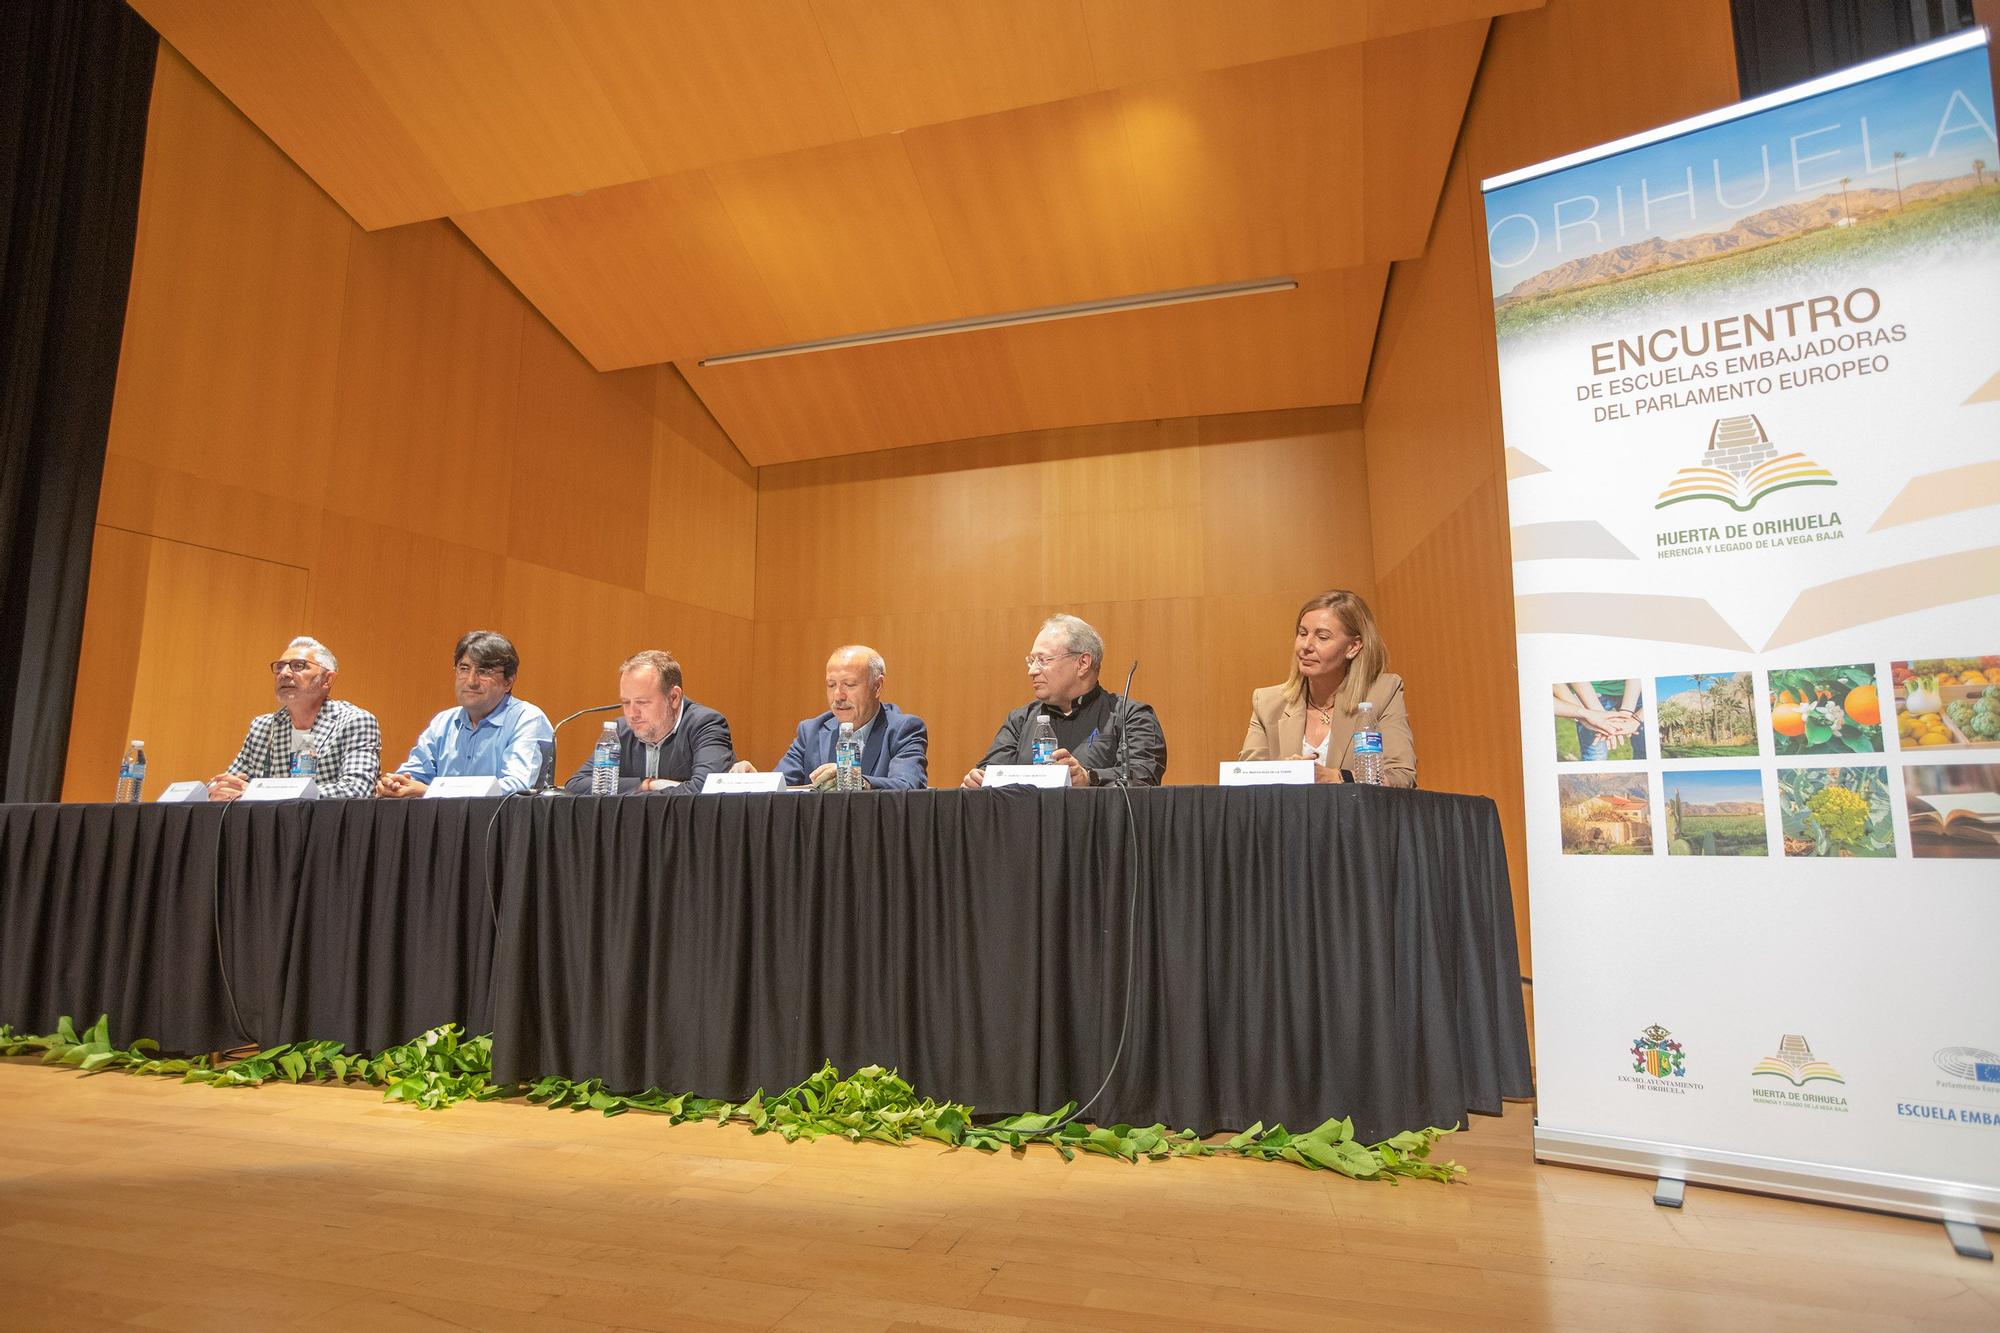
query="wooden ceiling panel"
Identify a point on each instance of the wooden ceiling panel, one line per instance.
(1132, 41)
(282, 66)
(696, 82)
(1308, 164)
(1035, 208)
(841, 236)
(406, 110)
(1252, 171)
(635, 274)
(904, 62)
(1294, 349)
(1416, 90)
(496, 91)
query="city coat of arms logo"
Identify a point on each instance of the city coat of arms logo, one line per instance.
(1655, 1052)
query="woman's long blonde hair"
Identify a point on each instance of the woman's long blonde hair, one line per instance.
(1368, 664)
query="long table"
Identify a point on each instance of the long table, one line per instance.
(1289, 952)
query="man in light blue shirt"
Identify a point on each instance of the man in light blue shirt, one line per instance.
(490, 734)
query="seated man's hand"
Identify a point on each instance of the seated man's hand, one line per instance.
(976, 778)
(1079, 776)
(226, 786)
(399, 784)
(743, 766)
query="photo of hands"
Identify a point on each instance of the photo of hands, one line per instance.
(1599, 720)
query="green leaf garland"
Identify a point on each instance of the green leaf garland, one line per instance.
(442, 1067)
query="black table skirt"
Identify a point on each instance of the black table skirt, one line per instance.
(1295, 953)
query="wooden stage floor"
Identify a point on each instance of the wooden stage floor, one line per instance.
(142, 1202)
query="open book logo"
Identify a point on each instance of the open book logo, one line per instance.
(1795, 1063)
(1655, 1052)
(1740, 467)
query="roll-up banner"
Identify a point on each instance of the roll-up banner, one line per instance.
(1750, 382)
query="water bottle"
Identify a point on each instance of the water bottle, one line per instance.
(604, 762)
(305, 764)
(1045, 739)
(131, 774)
(846, 760)
(1367, 746)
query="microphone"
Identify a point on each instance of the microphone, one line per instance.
(1118, 716)
(545, 779)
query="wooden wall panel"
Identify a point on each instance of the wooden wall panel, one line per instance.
(701, 518)
(180, 634)
(237, 342)
(1553, 81)
(1188, 542)
(429, 358)
(373, 440)
(580, 493)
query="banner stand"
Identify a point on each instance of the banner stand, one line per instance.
(1749, 369)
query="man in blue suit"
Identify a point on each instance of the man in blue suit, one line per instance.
(893, 743)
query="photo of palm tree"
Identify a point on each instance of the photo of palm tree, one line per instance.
(1706, 715)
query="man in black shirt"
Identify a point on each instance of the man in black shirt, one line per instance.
(1062, 668)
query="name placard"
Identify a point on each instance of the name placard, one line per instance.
(463, 785)
(1027, 775)
(182, 792)
(281, 789)
(1267, 772)
(724, 784)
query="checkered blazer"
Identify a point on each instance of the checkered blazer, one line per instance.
(347, 739)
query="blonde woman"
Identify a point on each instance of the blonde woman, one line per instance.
(1337, 662)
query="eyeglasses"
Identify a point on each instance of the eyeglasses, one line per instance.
(465, 670)
(1038, 662)
(298, 666)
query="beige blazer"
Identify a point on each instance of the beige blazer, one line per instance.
(1278, 730)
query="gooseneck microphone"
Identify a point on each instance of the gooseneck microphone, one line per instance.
(545, 778)
(1118, 716)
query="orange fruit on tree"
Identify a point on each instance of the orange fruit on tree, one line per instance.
(1786, 697)
(1788, 720)
(1862, 705)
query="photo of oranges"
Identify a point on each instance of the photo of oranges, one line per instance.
(1826, 710)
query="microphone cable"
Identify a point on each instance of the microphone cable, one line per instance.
(215, 916)
(1131, 923)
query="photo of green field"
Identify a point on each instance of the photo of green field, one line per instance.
(1841, 228)
(1716, 812)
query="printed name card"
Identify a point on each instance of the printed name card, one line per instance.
(1267, 772)
(723, 784)
(462, 786)
(182, 792)
(1027, 775)
(281, 789)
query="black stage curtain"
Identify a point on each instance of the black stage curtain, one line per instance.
(1297, 952)
(366, 922)
(75, 80)
(1301, 952)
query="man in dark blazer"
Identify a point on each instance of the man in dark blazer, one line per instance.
(666, 741)
(893, 743)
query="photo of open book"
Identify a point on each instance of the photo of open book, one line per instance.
(1954, 809)
(1975, 816)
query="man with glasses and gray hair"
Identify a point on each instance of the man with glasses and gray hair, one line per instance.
(345, 741)
(491, 734)
(1062, 670)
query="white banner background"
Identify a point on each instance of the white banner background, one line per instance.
(1883, 964)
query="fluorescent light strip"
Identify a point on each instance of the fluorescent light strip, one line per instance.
(1181, 296)
(1826, 83)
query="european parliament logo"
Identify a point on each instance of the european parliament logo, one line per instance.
(1973, 1064)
